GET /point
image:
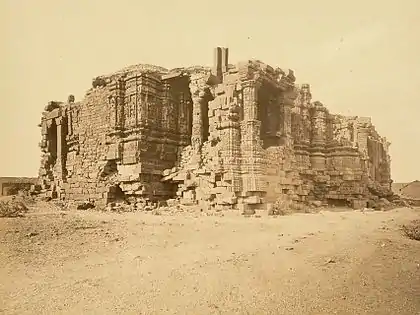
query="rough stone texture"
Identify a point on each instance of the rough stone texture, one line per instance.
(232, 136)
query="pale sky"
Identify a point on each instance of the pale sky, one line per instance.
(360, 57)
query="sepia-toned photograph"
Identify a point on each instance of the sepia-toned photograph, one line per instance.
(210, 157)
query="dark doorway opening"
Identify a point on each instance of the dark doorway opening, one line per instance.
(205, 119)
(52, 141)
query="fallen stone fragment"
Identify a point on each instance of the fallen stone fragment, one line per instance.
(330, 261)
(85, 206)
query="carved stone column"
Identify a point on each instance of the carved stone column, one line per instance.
(289, 97)
(251, 149)
(197, 89)
(251, 126)
(69, 122)
(304, 110)
(250, 100)
(119, 104)
(197, 95)
(182, 115)
(319, 135)
(113, 112)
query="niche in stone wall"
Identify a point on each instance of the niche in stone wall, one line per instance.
(180, 94)
(64, 147)
(269, 113)
(205, 116)
(52, 141)
(116, 194)
(340, 203)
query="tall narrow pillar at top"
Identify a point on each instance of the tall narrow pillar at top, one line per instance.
(225, 59)
(217, 63)
(221, 62)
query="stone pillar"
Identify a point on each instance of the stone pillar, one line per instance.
(302, 127)
(225, 60)
(166, 119)
(221, 62)
(250, 102)
(287, 122)
(183, 119)
(251, 126)
(197, 120)
(113, 121)
(217, 63)
(306, 119)
(251, 150)
(319, 135)
(69, 122)
(197, 136)
(329, 129)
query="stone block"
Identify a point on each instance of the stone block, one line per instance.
(245, 209)
(252, 200)
(359, 204)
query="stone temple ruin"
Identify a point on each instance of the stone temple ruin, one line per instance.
(232, 136)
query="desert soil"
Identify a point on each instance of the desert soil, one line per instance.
(87, 262)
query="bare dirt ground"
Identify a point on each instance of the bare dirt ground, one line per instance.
(86, 262)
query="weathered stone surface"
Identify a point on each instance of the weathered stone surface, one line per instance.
(236, 136)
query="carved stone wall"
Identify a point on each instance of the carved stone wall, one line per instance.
(231, 136)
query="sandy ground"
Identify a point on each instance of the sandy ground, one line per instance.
(85, 262)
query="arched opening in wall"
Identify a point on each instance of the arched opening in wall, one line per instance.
(52, 141)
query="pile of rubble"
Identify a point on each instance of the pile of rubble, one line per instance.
(12, 208)
(412, 230)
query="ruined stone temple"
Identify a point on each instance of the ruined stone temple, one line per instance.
(227, 136)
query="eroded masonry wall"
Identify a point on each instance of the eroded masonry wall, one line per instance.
(117, 141)
(231, 136)
(270, 140)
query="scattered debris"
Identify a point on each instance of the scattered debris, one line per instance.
(31, 234)
(330, 261)
(12, 208)
(85, 205)
(412, 230)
